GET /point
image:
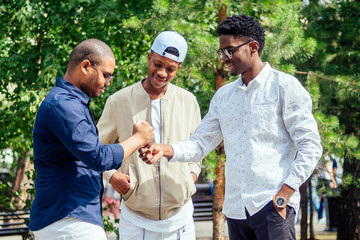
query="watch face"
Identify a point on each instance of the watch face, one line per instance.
(280, 202)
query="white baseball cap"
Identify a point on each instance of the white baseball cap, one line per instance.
(170, 39)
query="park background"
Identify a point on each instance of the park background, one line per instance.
(316, 41)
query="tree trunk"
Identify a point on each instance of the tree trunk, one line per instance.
(349, 212)
(218, 200)
(312, 233)
(219, 183)
(21, 181)
(304, 207)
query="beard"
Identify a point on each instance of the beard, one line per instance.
(88, 87)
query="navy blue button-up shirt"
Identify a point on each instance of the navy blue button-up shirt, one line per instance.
(69, 159)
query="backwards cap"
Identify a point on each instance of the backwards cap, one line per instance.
(170, 39)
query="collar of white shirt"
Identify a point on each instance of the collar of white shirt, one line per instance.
(258, 80)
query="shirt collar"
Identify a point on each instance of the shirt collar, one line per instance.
(60, 82)
(262, 76)
(259, 79)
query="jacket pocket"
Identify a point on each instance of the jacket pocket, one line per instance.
(133, 185)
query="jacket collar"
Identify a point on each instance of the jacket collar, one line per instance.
(168, 94)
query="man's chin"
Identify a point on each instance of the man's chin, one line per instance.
(232, 71)
(101, 91)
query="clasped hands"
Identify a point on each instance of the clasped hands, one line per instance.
(143, 132)
(151, 153)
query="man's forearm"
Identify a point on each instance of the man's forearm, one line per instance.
(130, 145)
(286, 192)
(168, 151)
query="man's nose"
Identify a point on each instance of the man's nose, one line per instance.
(162, 72)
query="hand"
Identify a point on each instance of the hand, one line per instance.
(120, 182)
(285, 191)
(194, 176)
(143, 131)
(333, 184)
(281, 211)
(151, 153)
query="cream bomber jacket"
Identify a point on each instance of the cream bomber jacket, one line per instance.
(157, 191)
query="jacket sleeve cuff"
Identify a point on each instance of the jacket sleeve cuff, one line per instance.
(195, 168)
(108, 174)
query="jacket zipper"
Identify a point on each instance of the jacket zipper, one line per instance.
(159, 162)
(159, 190)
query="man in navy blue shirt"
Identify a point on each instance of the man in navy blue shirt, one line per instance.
(68, 156)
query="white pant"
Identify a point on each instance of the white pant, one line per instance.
(70, 228)
(129, 231)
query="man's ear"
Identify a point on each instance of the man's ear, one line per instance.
(254, 46)
(85, 65)
(149, 56)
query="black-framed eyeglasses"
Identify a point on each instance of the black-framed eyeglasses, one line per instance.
(228, 52)
(107, 76)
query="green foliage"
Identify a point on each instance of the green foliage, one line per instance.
(210, 163)
(5, 199)
(37, 36)
(31, 175)
(7, 196)
(349, 179)
(110, 225)
(286, 43)
(335, 26)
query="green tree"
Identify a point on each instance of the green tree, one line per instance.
(335, 26)
(36, 40)
(37, 36)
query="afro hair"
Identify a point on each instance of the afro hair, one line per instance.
(242, 26)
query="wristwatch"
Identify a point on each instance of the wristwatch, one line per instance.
(279, 202)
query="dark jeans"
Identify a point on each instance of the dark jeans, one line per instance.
(266, 224)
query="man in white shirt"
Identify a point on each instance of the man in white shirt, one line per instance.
(271, 139)
(156, 199)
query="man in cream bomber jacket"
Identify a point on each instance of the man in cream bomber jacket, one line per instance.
(156, 198)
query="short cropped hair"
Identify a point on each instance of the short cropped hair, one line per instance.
(243, 27)
(170, 50)
(94, 50)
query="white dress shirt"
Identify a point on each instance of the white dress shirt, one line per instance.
(270, 138)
